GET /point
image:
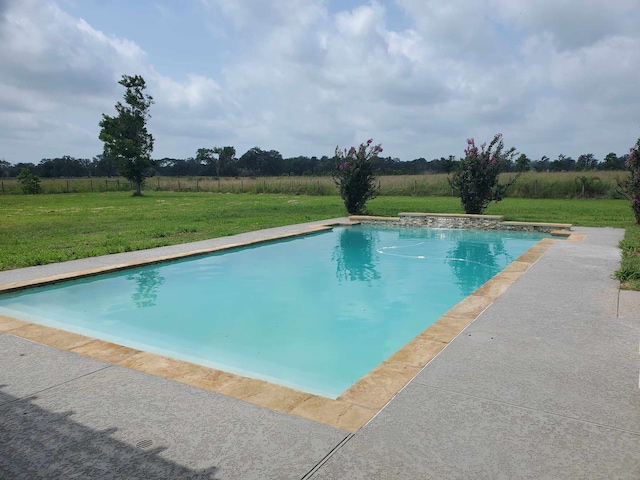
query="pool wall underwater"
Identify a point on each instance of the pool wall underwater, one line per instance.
(350, 411)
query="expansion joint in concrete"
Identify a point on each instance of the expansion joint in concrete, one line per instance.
(318, 465)
(34, 394)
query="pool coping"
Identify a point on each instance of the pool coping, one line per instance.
(353, 409)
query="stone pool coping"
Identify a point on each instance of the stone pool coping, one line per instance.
(351, 410)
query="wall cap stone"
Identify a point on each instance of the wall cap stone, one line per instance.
(358, 218)
(454, 215)
(559, 226)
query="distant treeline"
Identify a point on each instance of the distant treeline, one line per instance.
(260, 163)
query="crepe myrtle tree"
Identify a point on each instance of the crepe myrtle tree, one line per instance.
(630, 187)
(476, 178)
(125, 136)
(354, 175)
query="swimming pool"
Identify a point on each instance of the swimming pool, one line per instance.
(315, 313)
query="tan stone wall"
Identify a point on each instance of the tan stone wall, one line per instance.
(478, 222)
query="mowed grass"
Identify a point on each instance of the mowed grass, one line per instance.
(41, 229)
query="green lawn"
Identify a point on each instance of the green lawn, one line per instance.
(41, 229)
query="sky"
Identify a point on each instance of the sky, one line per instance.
(304, 76)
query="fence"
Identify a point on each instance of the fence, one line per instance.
(529, 185)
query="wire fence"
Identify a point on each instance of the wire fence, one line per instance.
(529, 185)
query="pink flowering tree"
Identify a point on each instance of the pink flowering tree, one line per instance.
(477, 177)
(630, 187)
(354, 175)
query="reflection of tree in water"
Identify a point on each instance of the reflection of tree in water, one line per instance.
(147, 283)
(475, 262)
(354, 255)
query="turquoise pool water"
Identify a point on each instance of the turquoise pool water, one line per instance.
(315, 312)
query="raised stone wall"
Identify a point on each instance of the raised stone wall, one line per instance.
(478, 222)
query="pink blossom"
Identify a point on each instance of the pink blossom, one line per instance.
(469, 141)
(369, 141)
(352, 150)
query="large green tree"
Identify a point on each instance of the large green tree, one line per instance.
(218, 157)
(125, 136)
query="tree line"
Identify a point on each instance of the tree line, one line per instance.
(128, 146)
(256, 162)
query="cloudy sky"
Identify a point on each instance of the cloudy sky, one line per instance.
(302, 76)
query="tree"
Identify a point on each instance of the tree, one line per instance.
(4, 168)
(523, 164)
(104, 165)
(256, 161)
(586, 162)
(447, 164)
(630, 187)
(29, 182)
(477, 177)
(220, 157)
(355, 176)
(225, 159)
(541, 165)
(125, 136)
(611, 162)
(205, 156)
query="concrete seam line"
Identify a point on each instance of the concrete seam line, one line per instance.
(312, 472)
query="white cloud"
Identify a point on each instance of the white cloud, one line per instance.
(304, 75)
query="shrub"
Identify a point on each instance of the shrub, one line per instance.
(354, 175)
(477, 175)
(29, 182)
(630, 187)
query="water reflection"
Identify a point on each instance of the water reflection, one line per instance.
(475, 262)
(147, 283)
(355, 255)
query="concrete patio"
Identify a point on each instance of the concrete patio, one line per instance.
(543, 384)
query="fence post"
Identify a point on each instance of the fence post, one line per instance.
(158, 179)
(241, 186)
(178, 184)
(2, 187)
(91, 184)
(264, 186)
(197, 180)
(218, 184)
(67, 185)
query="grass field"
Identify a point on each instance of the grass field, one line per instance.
(600, 184)
(40, 229)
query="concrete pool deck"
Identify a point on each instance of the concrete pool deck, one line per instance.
(543, 384)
